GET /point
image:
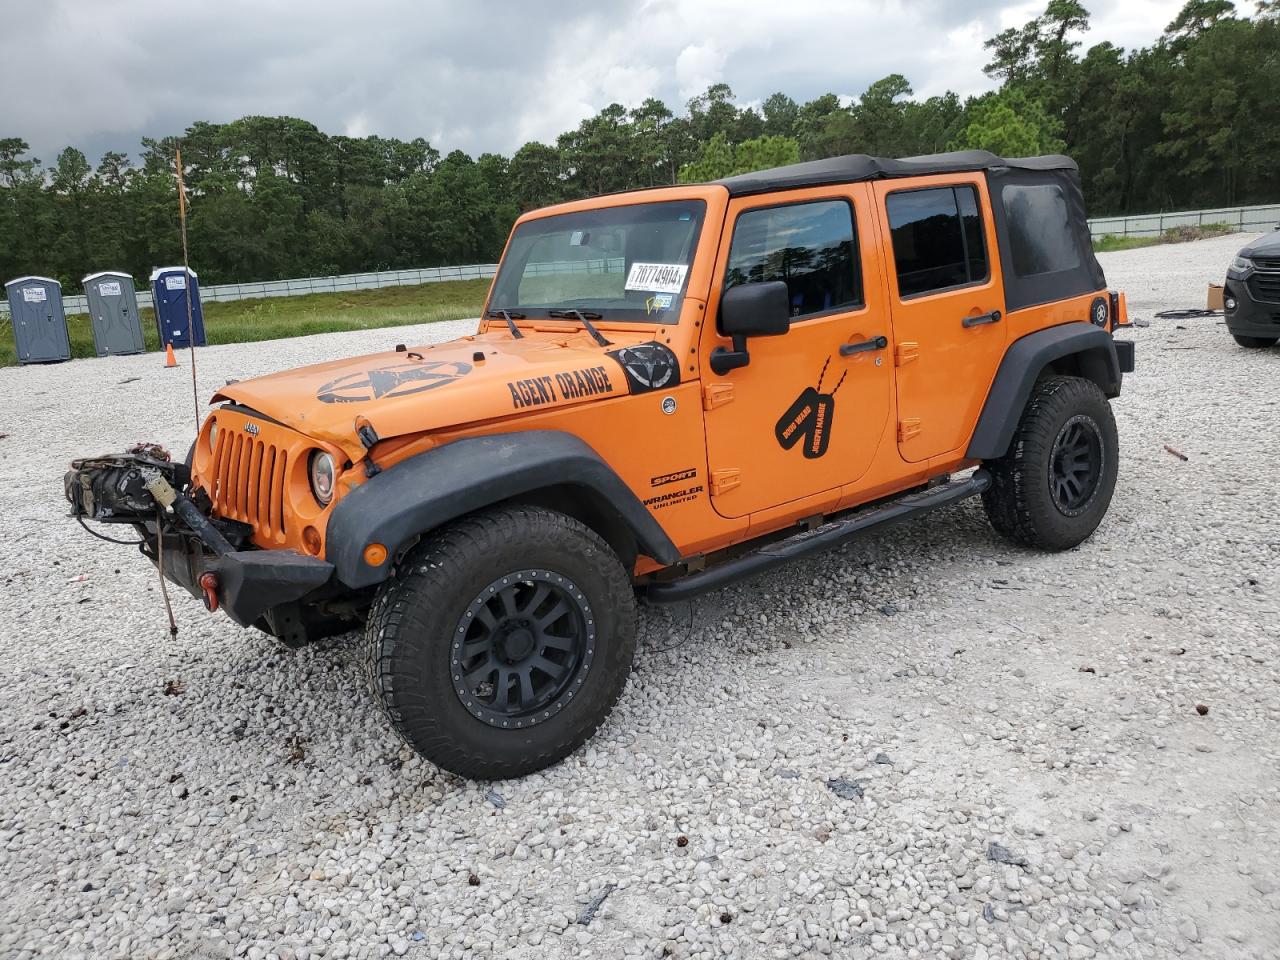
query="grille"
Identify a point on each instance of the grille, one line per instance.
(1265, 287)
(248, 481)
(1267, 263)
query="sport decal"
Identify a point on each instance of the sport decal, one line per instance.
(809, 418)
(656, 277)
(396, 381)
(648, 366)
(662, 479)
(569, 385)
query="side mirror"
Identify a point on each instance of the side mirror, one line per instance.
(750, 310)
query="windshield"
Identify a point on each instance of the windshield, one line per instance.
(615, 263)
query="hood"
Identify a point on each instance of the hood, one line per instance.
(464, 381)
(1267, 245)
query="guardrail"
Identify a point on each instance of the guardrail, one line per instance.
(1240, 219)
(77, 303)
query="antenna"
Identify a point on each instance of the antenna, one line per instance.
(186, 268)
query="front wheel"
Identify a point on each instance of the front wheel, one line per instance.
(1255, 343)
(503, 642)
(1053, 486)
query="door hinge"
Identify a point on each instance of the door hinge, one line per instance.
(716, 395)
(906, 352)
(724, 480)
(907, 428)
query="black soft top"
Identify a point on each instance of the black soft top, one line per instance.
(857, 167)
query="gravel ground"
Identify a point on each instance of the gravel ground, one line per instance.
(928, 744)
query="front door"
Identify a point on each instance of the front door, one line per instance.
(948, 306)
(801, 418)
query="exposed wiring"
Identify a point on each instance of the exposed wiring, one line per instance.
(94, 533)
(1188, 314)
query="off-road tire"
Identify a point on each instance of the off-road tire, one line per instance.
(1020, 502)
(1255, 343)
(411, 627)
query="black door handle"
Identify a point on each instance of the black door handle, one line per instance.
(863, 346)
(992, 317)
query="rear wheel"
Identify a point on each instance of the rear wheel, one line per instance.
(503, 642)
(1255, 343)
(1053, 486)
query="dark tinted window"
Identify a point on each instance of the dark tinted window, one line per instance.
(938, 240)
(808, 245)
(1040, 235)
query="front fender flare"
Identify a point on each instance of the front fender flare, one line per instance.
(1024, 361)
(450, 481)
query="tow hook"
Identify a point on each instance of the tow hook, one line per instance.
(209, 585)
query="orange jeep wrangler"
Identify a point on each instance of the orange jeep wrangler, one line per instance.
(671, 389)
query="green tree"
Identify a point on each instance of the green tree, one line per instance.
(1009, 125)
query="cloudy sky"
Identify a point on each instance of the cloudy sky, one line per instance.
(479, 75)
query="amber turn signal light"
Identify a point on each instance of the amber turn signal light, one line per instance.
(375, 554)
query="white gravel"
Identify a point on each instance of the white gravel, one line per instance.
(216, 795)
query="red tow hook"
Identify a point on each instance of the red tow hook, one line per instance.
(209, 584)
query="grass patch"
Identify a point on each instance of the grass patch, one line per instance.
(271, 318)
(1110, 242)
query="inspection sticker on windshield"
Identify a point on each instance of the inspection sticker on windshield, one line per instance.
(657, 277)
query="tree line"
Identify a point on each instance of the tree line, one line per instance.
(1189, 122)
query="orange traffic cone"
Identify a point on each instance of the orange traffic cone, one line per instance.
(169, 359)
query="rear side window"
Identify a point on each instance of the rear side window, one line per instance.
(938, 240)
(1040, 234)
(810, 246)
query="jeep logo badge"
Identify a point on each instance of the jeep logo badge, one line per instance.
(251, 427)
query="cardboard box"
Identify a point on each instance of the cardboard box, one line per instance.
(1215, 296)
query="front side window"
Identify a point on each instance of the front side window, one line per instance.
(619, 263)
(809, 246)
(1041, 237)
(938, 239)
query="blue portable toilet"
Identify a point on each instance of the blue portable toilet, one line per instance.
(169, 293)
(39, 322)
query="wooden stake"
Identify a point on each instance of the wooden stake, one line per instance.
(186, 268)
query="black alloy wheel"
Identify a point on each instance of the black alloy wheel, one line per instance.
(1075, 464)
(522, 646)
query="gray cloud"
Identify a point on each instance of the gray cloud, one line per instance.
(100, 74)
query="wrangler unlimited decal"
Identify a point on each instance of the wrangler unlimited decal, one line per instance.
(535, 391)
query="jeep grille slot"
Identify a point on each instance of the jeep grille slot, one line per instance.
(248, 481)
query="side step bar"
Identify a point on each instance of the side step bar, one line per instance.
(823, 538)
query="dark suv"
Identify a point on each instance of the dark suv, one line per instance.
(1252, 296)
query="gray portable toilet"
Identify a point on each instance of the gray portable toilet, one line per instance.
(39, 323)
(113, 309)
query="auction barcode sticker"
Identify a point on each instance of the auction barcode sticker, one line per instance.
(657, 277)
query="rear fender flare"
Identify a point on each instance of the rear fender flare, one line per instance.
(1077, 347)
(424, 492)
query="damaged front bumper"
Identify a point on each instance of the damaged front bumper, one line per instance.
(147, 491)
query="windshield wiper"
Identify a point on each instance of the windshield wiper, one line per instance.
(586, 319)
(511, 321)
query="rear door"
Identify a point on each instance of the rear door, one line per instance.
(948, 306)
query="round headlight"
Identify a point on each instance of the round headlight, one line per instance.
(213, 434)
(323, 475)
